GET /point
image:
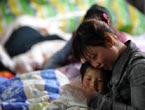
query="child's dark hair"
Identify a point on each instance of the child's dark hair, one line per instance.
(83, 69)
(96, 11)
(87, 65)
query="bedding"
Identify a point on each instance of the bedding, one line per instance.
(35, 58)
(31, 91)
(69, 13)
(125, 17)
(72, 98)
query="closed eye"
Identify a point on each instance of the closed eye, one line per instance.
(93, 57)
(88, 79)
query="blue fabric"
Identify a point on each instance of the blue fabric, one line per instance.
(13, 96)
(52, 84)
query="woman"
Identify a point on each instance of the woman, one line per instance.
(64, 56)
(96, 43)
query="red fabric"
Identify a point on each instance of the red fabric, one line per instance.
(6, 74)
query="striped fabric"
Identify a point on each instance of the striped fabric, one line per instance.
(125, 17)
(70, 12)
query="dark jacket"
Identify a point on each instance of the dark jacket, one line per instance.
(127, 85)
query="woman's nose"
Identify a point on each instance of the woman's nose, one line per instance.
(95, 64)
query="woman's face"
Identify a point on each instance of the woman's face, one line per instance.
(101, 57)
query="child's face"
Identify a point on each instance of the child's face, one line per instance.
(92, 81)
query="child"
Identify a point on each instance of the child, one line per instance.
(94, 79)
(75, 96)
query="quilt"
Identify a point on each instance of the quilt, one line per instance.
(31, 91)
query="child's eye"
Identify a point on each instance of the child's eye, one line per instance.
(88, 79)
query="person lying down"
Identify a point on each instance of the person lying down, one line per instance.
(74, 96)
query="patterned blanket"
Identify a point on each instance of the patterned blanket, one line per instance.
(31, 91)
(69, 13)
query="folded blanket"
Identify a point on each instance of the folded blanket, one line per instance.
(31, 91)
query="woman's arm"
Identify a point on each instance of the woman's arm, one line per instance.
(137, 86)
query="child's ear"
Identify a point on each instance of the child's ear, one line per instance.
(109, 40)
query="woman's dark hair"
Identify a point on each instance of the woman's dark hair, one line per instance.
(96, 11)
(91, 32)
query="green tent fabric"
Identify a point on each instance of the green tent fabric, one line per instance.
(70, 12)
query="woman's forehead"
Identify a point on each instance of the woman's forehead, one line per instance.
(88, 52)
(85, 58)
(83, 55)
